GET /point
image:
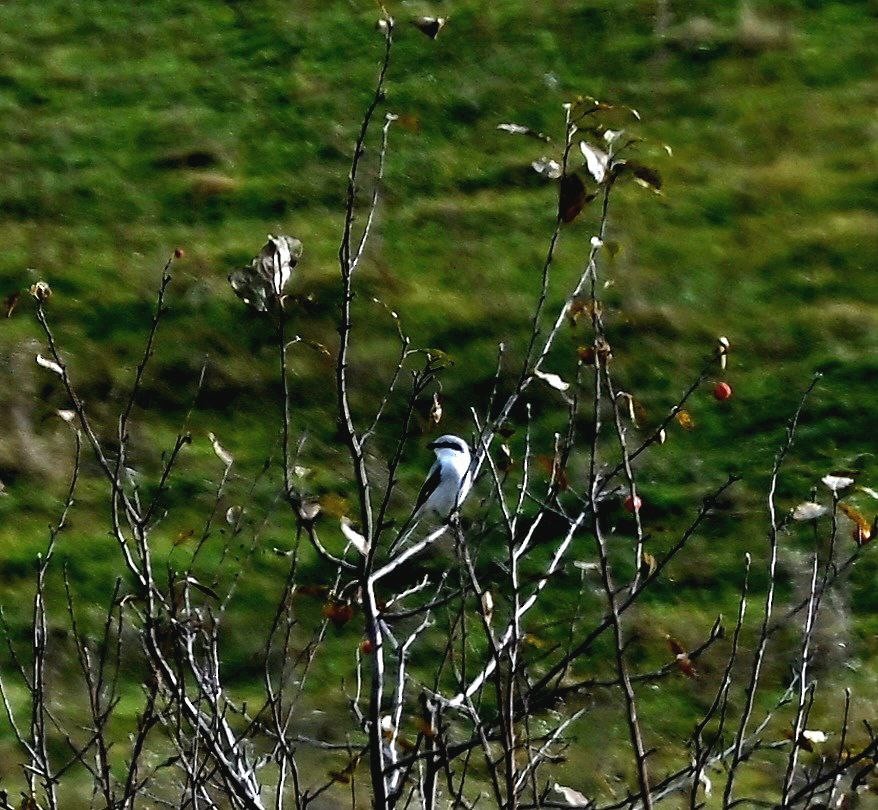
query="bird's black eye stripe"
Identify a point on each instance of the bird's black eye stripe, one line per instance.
(446, 446)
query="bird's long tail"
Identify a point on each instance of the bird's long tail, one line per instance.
(407, 528)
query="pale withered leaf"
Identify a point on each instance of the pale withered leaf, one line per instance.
(705, 782)
(520, 129)
(487, 606)
(596, 160)
(573, 797)
(546, 167)
(354, 537)
(552, 380)
(41, 291)
(263, 281)
(51, 365)
(221, 453)
(809, 510)
(837, 482)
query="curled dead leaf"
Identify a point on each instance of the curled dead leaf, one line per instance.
(685, 665)
(221, 453)
(572, 197)
(552, 380)
(339, 613)
(488, 606)
(586, 355)
(573, 797)
(308, 511)
(354, 537)
(835, 483)
(863, 529)
(596, 160)
(580, 306)
(809, 511)
(41, 291)
(50, 365)
(11, 302)
(430, 26)
(436, 409)
(505, 458)
(520, 129)
(685, 420)
(546, 167)
(645, 175)
(681, 657)
(261, 284)
(630, 405)
(722, 350)
(705, 782)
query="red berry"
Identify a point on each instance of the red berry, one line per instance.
(366, 646)
(179, 253)
(633, 504)
(722, 391)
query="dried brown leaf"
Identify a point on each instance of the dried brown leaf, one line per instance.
(862, 527)
(572, 197)
(339, 613)
(184, 537)
(685, 420)
(11, 302)
(429, 26)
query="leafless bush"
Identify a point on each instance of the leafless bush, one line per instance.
(493, 716)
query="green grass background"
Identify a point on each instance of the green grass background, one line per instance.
(128, 130)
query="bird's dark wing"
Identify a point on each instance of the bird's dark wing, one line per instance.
(433, 479)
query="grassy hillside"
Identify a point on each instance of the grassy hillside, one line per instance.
(129, 130)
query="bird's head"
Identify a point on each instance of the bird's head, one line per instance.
(449, 446)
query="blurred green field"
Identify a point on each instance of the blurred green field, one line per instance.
(128, 130)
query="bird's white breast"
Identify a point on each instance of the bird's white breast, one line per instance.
(455, 483)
